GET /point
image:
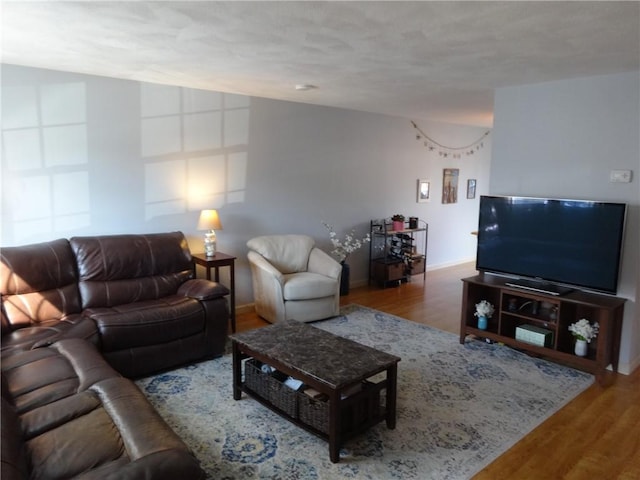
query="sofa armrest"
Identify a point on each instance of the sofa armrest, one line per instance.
(201, 289)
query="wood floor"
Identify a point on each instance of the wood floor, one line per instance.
(594, 437)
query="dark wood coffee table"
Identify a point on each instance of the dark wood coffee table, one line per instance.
(332, 365)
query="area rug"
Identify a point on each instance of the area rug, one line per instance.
(459, 407)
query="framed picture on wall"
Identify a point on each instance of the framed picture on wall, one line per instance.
(450, 185)
(423, 191)
(471, 188)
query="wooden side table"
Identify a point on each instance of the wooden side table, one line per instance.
(221, 260)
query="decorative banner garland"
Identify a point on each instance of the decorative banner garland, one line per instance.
(453, 152)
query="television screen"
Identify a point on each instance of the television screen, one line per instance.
(573, 243)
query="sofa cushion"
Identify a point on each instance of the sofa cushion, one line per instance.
(119, 269)
(111, 427)
(96, 294)
(38, 377)
(38, 283)
(91, 439)
(287, 253)
(46, 333)
(147, 323)
(305, 285)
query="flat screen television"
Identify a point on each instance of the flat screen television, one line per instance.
(551, 245)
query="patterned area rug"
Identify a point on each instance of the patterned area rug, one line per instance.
(459, 407)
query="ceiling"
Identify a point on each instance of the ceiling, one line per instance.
(422, 60)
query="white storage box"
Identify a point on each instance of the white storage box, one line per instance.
(534, 335)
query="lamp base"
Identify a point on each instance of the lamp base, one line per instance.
(210, 244)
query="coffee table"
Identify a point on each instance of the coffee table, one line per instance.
(332, 365)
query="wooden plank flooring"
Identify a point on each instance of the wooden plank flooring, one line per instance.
(595, 436)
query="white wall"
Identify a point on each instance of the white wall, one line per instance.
(561, 139)
(86, 155)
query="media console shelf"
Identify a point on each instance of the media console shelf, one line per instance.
(547, 315)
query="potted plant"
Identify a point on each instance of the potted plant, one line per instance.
(398, 222)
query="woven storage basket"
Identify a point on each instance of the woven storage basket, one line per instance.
(270, 388)
(315, 413)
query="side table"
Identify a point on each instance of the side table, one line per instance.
(221, 260)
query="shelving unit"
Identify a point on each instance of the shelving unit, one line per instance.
(545, 313)
(396, 255)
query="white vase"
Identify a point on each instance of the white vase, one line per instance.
(581, 348)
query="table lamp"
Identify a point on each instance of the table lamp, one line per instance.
(209, 222)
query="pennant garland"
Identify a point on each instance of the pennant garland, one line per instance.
(450, 152)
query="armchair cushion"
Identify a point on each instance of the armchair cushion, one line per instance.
(305, 286)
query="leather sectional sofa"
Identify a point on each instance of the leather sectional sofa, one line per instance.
(80, 315)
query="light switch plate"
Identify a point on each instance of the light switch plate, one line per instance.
(620, 176)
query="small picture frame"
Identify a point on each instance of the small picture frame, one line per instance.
(471, 188)
(422, 194)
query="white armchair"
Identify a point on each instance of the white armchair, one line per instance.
(293, 279)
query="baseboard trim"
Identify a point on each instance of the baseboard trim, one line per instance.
(248, 308)
(628, 368)
(454, 263)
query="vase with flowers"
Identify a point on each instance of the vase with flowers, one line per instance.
(584, 332)
(342, 249)
(484, 311)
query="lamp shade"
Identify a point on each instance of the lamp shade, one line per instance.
(209, 220)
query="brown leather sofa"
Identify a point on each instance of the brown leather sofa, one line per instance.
(66, 414)
(68, 308)
(132, 295)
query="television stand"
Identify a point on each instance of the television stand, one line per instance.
(541, 287)
(519, 312)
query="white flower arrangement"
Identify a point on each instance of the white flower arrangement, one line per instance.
(583, 330)
(484, 309)
(343, 248)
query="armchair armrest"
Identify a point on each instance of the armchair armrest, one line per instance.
(258, 261)
(201, 289)
(267, 288)
(322, 263)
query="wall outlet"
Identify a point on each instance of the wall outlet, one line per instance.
(620, 176)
